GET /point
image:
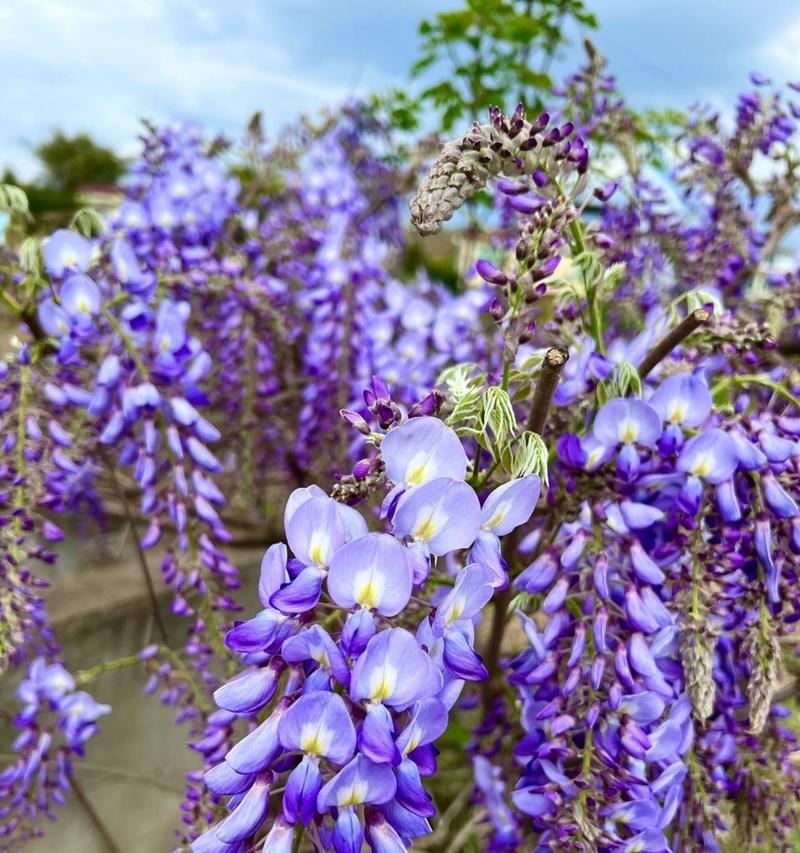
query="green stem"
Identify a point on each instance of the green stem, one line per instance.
(85, 676)
(506, 374)
(587, 753)
(755, 379)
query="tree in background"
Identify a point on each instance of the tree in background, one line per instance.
(70, 161)
(489, 52)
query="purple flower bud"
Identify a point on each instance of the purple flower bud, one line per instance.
(355, 420)
(488, 272)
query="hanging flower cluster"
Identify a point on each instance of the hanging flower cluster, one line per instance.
(355, 701)
(55, 722)
(565, 535)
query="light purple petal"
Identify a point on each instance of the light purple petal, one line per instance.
(80, 297)
(428, 721)
(472, 590)
(361, 781)
(510, 505)
(711, 456)
(301, 594)
(683, 399)
(373, 572)
(444, 514)
(248, 815)
(421, 450)
(273, 572)
(319, 724)
(395, 670)
(315, 531)
(627, 421)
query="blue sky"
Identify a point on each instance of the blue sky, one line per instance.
(99, 65)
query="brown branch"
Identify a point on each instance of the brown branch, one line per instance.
(554, 360)
(94, 817)
(142, 558)
(553, 364)
(698, 317)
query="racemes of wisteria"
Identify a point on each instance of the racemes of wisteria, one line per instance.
(110, 396)
(560, 543)
(363, 648)
(55, 720)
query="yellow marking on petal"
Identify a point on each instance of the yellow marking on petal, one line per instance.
(315, 739)
(677, 412)
(83, 305)
(368, 590)
(383, 684)
(594, 457)
(354, 795)
(413, 741)
(500, 513)
(316, 549)
(163, 344)
(456, 609)
(703, 465)
(69, 259)
(628, 432)
(416, 475)
(321, 657)
(426, 529)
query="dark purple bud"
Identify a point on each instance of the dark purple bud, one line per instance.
(428, 405)
(496, 309)
(365, 467)
(355, 420)
(149, 652)
(540, 178)
(511, 187)
(489, 272)
(605, 192)
(526, 204)
(546, 269)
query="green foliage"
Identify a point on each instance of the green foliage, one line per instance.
(489, 52)
(624, 379)
(529, 457)
(464, 386)
(70, 161)
(13, 200)
(497, 421)
(87, 222)
(39, 199)
(440, 268)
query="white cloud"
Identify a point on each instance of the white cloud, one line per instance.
(782, 51)
(101, 65)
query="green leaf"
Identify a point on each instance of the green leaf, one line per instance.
(614, 276)
(88, 222)
(13, 200)
(30, 256)
(531, 457)
(498, 421)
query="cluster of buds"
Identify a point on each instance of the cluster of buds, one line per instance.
(763, 650)
(513, 147)
(696, 646)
